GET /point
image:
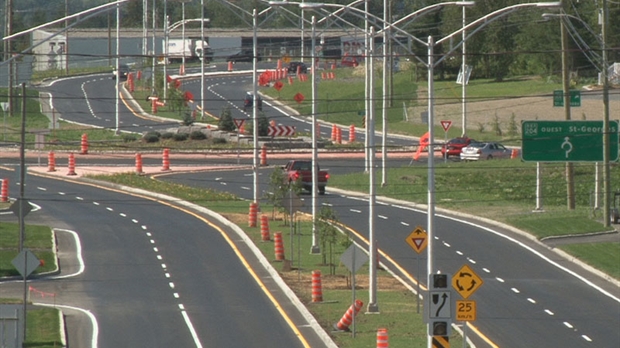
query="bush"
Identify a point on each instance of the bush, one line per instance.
(151, 137)
(167, 135)
(197, 135)
(180, 137)
(129, 138)
(219, 141)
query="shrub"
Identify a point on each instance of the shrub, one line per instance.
(197, 135)
(180, 137)
(188, 119)
(167, 135)
(219, 141)
(128, 138)
(151, 137)
(226, 122)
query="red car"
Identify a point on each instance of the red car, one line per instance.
(349, 61)
(454, 146)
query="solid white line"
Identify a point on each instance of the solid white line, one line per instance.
(191, 327)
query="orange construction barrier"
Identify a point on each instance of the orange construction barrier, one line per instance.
(51, 162)
(290, 80)
(352, 133)
(154, 105)
(264, 228)
(279, 64)
(317, 288)
(263, 155)
(278, 246)
(253, 214)
(338, 135)
(139, 75)
(514, 154)
(4, 192)
(71, 165)
(347, 318)
(182, 70)
(333, 66)
(230, 66)
(334, 132)
(382, 338)
(84, 144)
(139, 164)
(165, 159)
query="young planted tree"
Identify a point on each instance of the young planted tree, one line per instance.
(329, 235)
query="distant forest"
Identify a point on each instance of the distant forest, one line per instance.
(522, 43)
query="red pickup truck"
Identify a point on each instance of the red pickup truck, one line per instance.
(302, 170)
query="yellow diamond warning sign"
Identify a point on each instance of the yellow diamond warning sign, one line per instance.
(418, 239)
(465, 281)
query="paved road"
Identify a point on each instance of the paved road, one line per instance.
(531, 295)
(156, 275)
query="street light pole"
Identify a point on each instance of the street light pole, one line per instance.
(315, 249)
(255, 102)
(118, 68)
(202, 60)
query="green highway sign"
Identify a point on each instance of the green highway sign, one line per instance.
(575, 98)
(567, 141)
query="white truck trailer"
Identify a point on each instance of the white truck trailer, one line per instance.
(191, 49)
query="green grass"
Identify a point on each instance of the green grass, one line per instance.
(38, 241)
(604, 256)
(42, 328)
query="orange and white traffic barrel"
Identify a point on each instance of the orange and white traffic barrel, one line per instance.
(278, 246)
(263, 155)
(139, 164)
(51, 162)
(352, 133)
(84, 144)
(4, 191)
(347, 318)
(253, 214)
(71, 165)
(165, 159)
(382, 338)
(317, 287)
(264, 228)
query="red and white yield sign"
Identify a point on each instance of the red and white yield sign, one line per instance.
(281, 131)
(446, 125)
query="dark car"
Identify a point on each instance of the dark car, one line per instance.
(248, 102)
(293, 66)
(454, 146)
(243, 56)
(124, 71)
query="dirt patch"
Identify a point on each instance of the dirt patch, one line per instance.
(482, 113)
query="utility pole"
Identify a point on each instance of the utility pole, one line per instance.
(606, 135)
(570, 182)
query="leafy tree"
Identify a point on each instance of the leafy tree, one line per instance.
(263, 125)
(226, 122)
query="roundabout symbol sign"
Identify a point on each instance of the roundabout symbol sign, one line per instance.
(465, 281)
